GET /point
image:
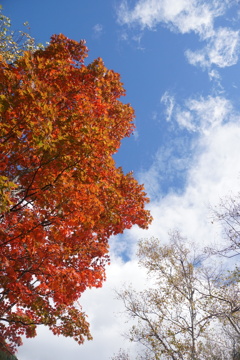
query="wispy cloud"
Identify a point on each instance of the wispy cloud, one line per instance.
(212, 170)
(222, 50)
(169, 102)
(184, 16)
(204, 114)
(97, 30)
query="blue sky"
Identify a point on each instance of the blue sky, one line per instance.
(179, 62)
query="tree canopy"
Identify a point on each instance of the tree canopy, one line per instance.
(62, 195)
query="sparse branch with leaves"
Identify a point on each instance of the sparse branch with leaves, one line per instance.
(184, 313)
(227, 213)
(14, 43)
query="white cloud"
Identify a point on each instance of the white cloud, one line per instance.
(221, 50)
(182, 16)
(185, 16)
(212, 169)
(169, 102)
(203, 115)
(213, 175)
(215, 76)
(97, 30)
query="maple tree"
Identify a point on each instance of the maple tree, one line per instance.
(62, 195)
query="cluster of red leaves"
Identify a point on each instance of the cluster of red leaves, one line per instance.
(62, 196)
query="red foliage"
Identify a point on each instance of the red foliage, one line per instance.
(62, 196)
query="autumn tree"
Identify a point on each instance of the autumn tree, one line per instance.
(187, 310)
(62, 195)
